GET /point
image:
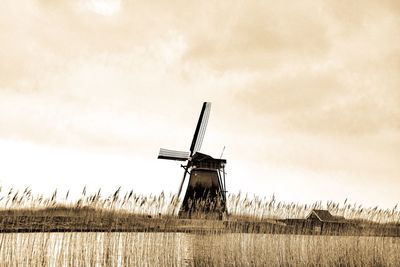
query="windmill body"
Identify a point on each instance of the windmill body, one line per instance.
(205, 195)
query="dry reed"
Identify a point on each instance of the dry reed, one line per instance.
(239, 205)
(177, 249)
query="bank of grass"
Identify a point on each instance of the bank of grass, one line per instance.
(240, 206)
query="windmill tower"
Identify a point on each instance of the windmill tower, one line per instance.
(205, 196)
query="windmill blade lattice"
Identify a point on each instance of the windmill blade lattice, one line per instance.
(200, 128)
(173, 154)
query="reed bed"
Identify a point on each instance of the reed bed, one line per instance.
(239, 205)
(178, 249)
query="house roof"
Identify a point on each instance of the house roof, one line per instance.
(325, 216)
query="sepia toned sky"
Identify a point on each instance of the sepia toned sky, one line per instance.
(305, 95)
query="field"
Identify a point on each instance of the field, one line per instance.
(130, 233)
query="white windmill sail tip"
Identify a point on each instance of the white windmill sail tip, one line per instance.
(201, 127)
(173, 154)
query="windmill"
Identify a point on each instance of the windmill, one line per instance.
(205, 195)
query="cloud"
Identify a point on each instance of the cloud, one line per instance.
(351, 89)
(306, 69)
(258, 36)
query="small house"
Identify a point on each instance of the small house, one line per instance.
(321, 220)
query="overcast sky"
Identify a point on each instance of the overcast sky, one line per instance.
(305, 95)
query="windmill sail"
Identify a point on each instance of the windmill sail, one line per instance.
(200, 128)
(173, 154)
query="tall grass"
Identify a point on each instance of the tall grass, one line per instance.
(239, 205)
(177, 249)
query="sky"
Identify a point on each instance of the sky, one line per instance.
(305, 95)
